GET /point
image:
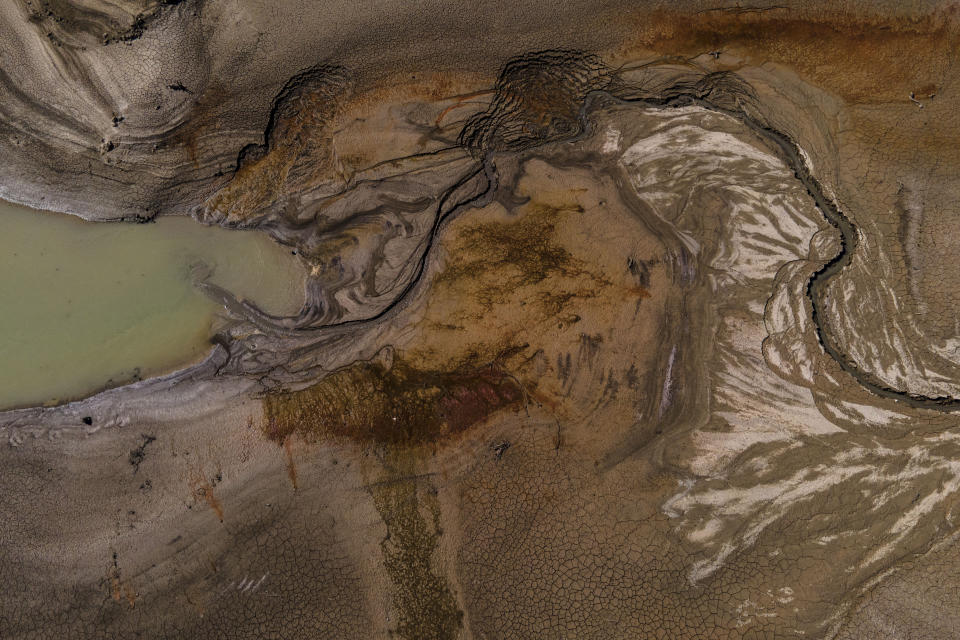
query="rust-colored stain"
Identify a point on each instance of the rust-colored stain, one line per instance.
(202, 490)
(639, 292)
(291, 466)
(400, 404)
(926, 91)
(120, 590)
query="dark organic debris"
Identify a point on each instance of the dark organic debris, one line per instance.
(137, 455)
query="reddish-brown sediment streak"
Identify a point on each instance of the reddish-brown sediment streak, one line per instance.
(471, 400)
(202, 489)
(399, 405)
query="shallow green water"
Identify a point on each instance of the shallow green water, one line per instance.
(86, 305)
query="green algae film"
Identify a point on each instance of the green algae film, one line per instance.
(85, 305)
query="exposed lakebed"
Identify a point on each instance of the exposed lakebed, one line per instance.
(91, 305)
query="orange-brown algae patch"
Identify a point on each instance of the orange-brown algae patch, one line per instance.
(864, 59)
(495, 260)
(297, 152)
(532, 276)
(573, 275)
(400, 404)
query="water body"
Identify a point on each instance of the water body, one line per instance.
(87, 305)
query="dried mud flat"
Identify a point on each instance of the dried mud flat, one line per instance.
(621, 321)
